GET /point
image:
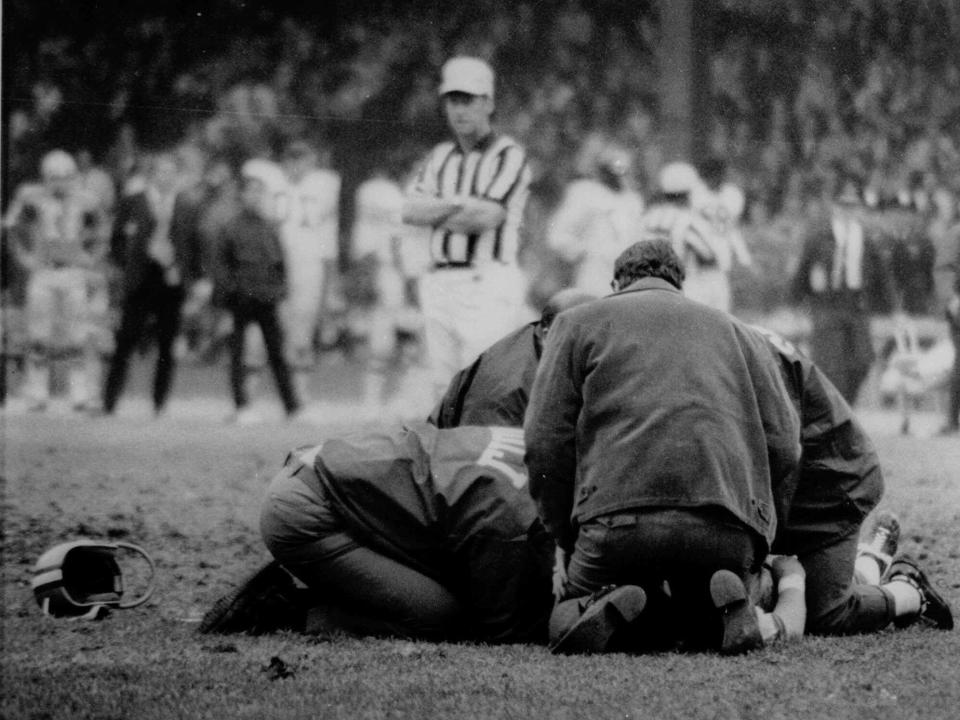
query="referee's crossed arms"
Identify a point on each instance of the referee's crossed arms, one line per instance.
(487, 188)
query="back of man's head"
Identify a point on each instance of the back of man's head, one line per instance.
(648, 258)
(563, 300)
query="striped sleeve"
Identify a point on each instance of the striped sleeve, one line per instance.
(428, 179)
(511, 171)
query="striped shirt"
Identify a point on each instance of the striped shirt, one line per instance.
(692, 236)
(495, 169)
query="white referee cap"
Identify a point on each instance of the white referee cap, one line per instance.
(468, 75)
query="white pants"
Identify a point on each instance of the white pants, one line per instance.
(466, 311)
(710, 286)
(300, 310)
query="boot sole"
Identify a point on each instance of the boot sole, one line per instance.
(741, 631)
(593, 631)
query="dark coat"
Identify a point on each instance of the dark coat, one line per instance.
(495, 388)
(840, 479)
(133, 228)
(249, 261)
(452, 504)
(876, 295)
(646, 399)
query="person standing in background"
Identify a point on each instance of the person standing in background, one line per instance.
(672, 217)
(250, 280)
(952, 424)
(374, 286)
(597, 218)
(842, 276)
(58, 235)
(470, 193)
(722, 204)
(308, 208)
(157, 249)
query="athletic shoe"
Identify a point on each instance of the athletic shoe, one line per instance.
(741, 631)
(595, 619)
(884, 540)
(266, 601)
(934, 610)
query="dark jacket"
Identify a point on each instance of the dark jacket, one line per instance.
(495, 388)
(876, 293)
(249, 261)
(452, 504)
(647, 399)
(840, 480)
(133, 229)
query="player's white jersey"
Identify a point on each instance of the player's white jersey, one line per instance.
(724, 220)
(377, 211)
(692, 237)
(309, 215)
(591, 227)
(58, 232)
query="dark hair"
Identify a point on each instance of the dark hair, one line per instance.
(649, 258)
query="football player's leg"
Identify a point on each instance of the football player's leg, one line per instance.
(39, 316)
(368, 592)
(836, 604)
(76, 322)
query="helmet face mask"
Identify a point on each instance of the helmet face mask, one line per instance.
(80, 578)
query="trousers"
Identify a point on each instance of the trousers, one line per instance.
(152, 300)
(264, 314)
(676, 549)
(372, 593)
(836, 603)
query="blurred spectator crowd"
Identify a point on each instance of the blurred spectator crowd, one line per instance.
(801, 96)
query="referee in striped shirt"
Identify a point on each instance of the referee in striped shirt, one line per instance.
(470, 194)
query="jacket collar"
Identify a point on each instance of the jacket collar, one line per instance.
(648, 283)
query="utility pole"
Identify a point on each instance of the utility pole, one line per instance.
(683, 55)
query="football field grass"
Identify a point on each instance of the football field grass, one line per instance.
(188, 488)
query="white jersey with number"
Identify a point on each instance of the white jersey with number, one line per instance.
(379, 203)
(65, 231)
(591, 227)
(309, 216)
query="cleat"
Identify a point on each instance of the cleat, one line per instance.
(934, 610)
(884, 541)
(265, 602)
(595, 619)
(741, 631)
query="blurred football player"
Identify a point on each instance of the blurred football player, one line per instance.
(410, 531)
(375, 285)
(597, 218)
(308, 210)
(672, 217)
(722, 204)
(58, 235)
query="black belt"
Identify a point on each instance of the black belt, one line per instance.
(452, 265)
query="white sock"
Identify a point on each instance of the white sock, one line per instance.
(906, 598)
(867, 569)
(769, 630)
